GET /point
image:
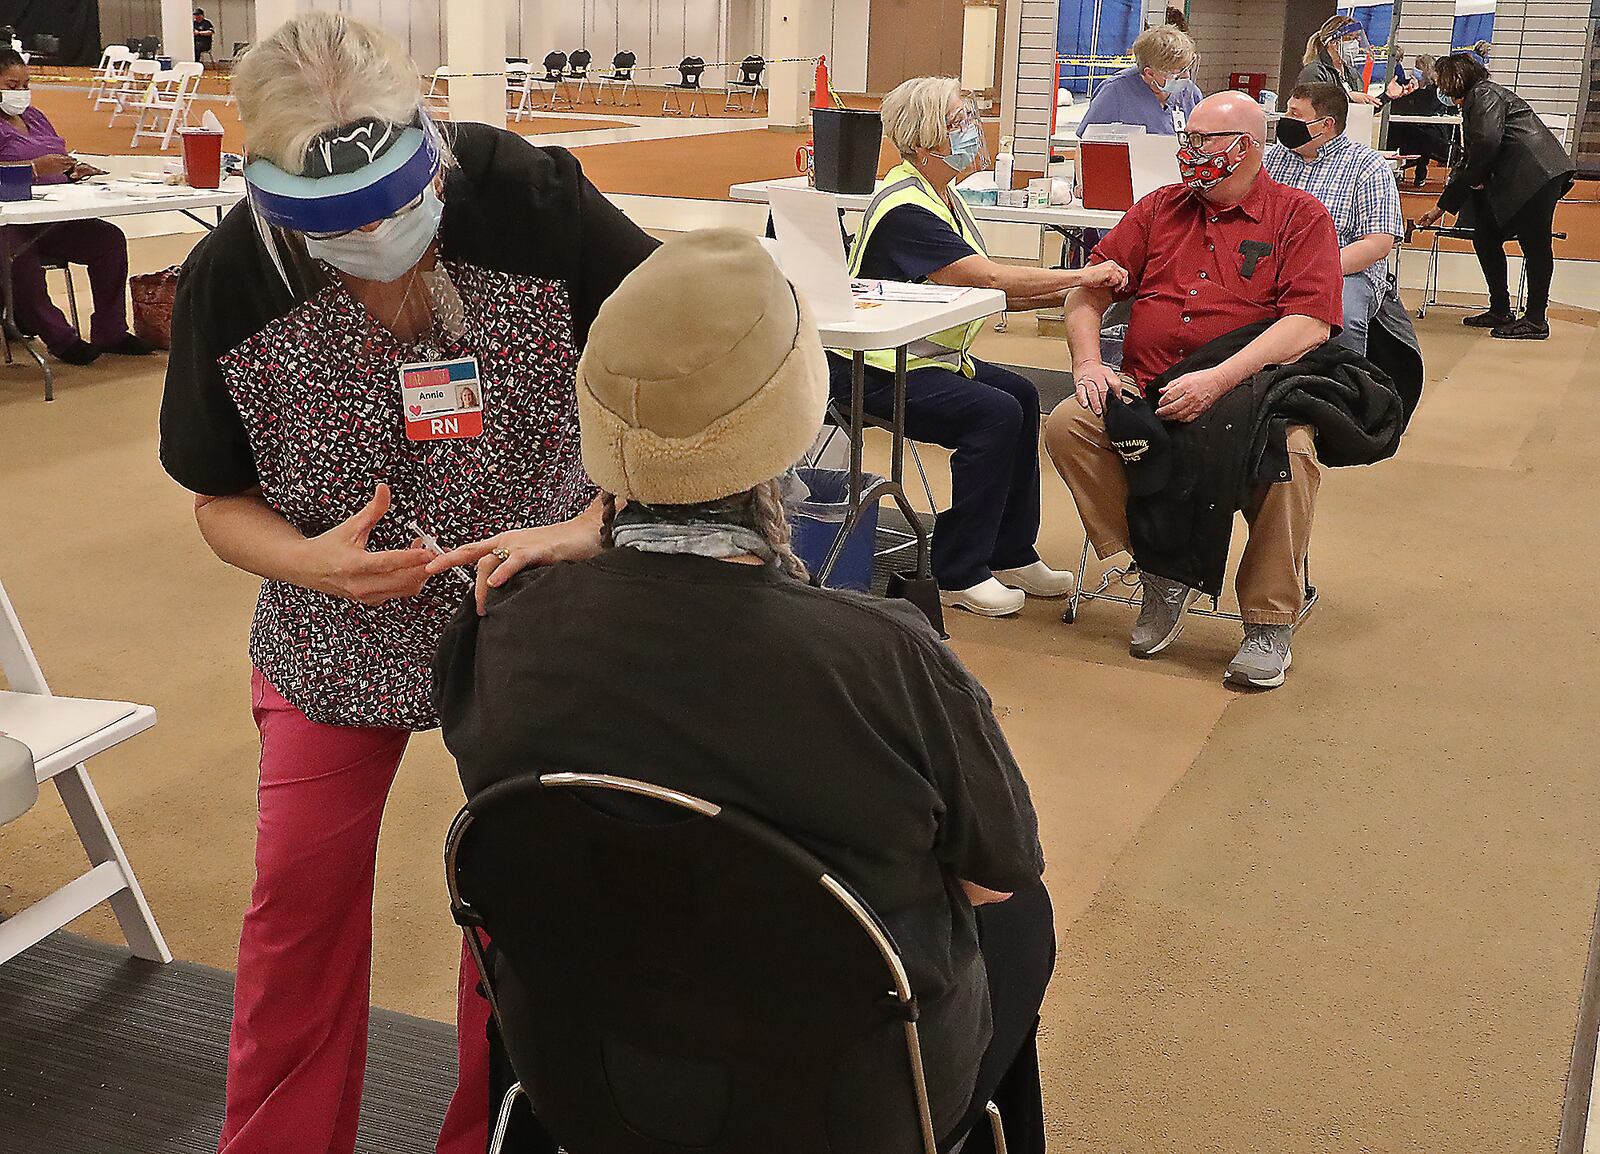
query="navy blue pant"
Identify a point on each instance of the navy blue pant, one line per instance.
(991, 423)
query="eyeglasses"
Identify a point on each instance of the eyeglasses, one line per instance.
(415, 204)
(1198, 141)
(966, 115)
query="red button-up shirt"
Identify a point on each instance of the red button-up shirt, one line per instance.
(1186, 269)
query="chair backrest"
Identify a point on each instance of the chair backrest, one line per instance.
(1560, 124)
(114, 53)
(17, 662)
(145, 69)
(578, 62)
(691, 68)
(623, 63)
(751, 68)
(672, 974)
(555, 65)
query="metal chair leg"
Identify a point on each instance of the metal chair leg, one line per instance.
(503, 1121)
(927, 489)
(72, 297)
(995, 1128)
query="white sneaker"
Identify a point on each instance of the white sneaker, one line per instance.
(987, 599)
(1037, 580)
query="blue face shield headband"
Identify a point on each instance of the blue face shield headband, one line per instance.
(354, 175)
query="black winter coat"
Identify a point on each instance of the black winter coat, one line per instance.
(1184, 531)
(1509, 153)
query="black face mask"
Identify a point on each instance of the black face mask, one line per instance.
(1293, 133)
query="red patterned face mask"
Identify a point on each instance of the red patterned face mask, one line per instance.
(1203, 170)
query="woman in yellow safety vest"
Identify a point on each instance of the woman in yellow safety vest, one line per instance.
(918, 229)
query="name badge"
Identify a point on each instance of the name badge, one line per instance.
(442, 400)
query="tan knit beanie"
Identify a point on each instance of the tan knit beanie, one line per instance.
(703, 376)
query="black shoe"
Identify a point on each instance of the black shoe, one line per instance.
(78, 353)
(1523, 330)
(1420, 180)
(1489, 320)
(129, 346)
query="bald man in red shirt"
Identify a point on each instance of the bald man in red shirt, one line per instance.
(1230, 247)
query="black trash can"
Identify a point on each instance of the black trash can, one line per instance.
(847, 142)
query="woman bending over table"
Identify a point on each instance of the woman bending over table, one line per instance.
(27, 136)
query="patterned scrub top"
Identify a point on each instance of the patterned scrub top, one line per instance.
(306, 405)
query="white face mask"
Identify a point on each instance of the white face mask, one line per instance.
(388, 252)
(15, 102)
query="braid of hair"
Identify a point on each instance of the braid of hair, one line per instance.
(608, 519)
(767, 501)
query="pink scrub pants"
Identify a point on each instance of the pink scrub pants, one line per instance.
(298, 1050)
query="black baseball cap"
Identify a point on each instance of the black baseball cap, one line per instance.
(1140, 440)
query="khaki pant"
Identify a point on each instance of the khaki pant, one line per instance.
(1271, 582)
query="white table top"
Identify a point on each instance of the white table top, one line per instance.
(890, 324)
(54, 203)
(1061, 216)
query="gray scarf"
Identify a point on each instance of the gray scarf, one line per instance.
(722, 528)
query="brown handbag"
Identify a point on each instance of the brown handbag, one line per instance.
(153, 295)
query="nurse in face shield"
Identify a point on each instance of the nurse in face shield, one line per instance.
(371, 395)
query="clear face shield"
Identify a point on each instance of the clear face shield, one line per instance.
(355, 176)
(964, 129)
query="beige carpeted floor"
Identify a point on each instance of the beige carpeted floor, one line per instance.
(1347, 916)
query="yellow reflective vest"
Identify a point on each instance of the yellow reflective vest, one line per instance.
(905, 185)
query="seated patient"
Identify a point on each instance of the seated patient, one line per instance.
(692, 652)
(27, 137)
(917, 228)
(1229, 248)
(1353, 181)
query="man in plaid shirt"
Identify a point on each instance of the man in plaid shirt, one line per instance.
(1356, 186)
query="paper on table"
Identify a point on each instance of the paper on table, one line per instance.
(893, 290)
(811, 250)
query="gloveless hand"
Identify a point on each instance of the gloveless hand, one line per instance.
(503, 556)
(1188, 396)
(339, 563)
(1093, 383)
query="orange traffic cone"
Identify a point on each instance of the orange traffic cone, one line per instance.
(821, 97)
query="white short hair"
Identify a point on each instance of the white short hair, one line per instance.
(1164, 48)
(319, 71)
(917, 113)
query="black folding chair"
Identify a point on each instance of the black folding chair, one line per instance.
(578, 69)
(690, 69)
(751, 70)
(668, 974)
(555, 72)
(621, 75)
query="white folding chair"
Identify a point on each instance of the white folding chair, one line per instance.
(61, 734)
(171, 96)
(519, 93)
(436, 101)
(114, 62)
(1560, 124)
(135, 83)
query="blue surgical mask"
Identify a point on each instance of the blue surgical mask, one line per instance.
(1174, 85)
(388, 252)
(963, 148)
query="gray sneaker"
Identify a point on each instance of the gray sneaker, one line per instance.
(1161, 619)
(1263, 659)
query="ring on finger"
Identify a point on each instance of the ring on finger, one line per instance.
(502, 553)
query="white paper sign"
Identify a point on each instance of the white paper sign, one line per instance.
(811, 250)
(1154, 161)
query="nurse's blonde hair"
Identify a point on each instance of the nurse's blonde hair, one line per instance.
(319, 71)
(916, 113)
(1164, 48)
